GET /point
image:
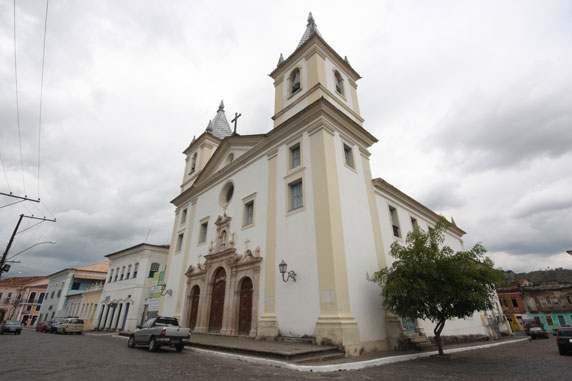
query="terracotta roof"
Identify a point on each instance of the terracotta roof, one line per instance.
(98, 267)
(89, 277)
(18, 281)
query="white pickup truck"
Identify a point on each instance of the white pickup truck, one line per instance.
(160, 331)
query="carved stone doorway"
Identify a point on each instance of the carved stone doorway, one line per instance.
(195, 296)
(245, 307)
(217, 301)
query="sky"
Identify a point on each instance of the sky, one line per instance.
(471, 102)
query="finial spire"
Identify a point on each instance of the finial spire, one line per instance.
(221, 106)
(210, 126)
(311, 28)
(281, 59)
(310, 19)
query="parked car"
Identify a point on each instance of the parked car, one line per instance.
(52, 325)
(11, 326)
(564, 340)
(538, 333)
(160, 331)
(528, 324)
(42, 327)
(70, 325)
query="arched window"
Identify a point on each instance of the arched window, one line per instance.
(111, 275)
(128, 272)
(116, 274)
(135, 270)
(294, 81)
(339, 82)
(193, 163)
(122, 272)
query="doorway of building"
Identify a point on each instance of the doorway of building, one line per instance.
(245, 307)
(195, 295)
(217, 301)
(408, 325)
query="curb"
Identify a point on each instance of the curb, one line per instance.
(345, 366)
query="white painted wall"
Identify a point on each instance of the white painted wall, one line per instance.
(361, 257)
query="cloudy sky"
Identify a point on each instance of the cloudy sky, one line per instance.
(471, 102)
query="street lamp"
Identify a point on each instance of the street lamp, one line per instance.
(39, 243)
(283, 267)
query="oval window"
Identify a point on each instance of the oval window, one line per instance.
(226, 194)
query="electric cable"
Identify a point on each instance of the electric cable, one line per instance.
(18, 102)
(16, 202)
(5, 173)
(42, 93)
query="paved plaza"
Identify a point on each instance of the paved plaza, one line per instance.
(34, 355)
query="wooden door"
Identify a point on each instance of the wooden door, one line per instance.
(217, 301)
(195, 294)
(245, 309)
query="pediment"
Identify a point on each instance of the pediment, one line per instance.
(236, 145)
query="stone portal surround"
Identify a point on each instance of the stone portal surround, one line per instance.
(237, 268)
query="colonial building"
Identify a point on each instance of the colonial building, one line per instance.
(11, 294)
(67, 283)
(33, 294)
(122, 305)
(278, 233)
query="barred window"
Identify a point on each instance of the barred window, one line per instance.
(154, 269)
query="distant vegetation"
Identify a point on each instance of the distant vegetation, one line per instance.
(549, 275)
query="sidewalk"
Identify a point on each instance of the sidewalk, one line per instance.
(315, 358)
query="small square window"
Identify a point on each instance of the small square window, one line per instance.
(295, 156)
(203, 232)
(179, 242)
(75, 286)
(296, 195)
(248, 213)
(348, 156)
(394, 221)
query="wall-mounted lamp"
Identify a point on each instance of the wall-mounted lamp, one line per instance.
(165, 292)
(283, 267)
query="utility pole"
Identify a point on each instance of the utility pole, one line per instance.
(4, 267)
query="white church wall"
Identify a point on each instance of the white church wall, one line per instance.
(361, 258)
(297, 304)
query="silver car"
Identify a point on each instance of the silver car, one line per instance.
(160, 331)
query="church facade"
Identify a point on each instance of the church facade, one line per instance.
(300, 196)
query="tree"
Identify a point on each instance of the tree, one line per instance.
(430, 281)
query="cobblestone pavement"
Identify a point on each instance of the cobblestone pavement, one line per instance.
(34, 355)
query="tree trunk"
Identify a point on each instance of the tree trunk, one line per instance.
(438, 329)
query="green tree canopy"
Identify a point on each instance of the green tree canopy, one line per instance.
(430, 281)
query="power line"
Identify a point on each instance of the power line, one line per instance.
(42, 93)
(17, 202)
(17, 101)
(5, 173)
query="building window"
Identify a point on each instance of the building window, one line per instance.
(294, 81)
(514, 302)
(549, 320)
(203, 232)
(414, 223)
(116, 274)
(59, 293)
(504, 302)
(349, 156)
(568, 298)
(339, 82)
(295, 156)
(128, 272)
(53, 294)
(394, 221)
(32, 297)
(135, 270)
(193, 163)
(183, 217)
(111, 275)
(0, 295)
(226, 194)
(38, 308)
(153, 270)
(296, 195)
(75, 286)
(122, 272)
(28, 308)
(179, 242)
(561, 320)
(248, 213)
(41, 298)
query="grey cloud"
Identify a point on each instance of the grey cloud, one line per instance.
(520, 125)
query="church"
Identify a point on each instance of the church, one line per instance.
(278, 233)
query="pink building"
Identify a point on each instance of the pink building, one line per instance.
(32, 297)
(11, 295)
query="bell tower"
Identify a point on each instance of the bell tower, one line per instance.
(314, 70)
